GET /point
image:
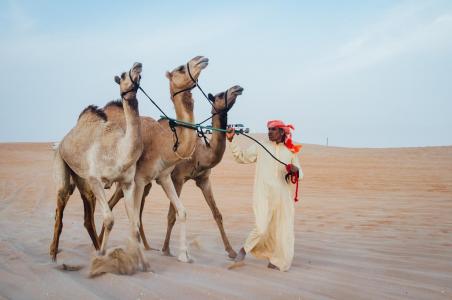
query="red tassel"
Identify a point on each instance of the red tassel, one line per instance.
(294, 179)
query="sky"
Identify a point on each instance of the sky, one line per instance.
(360, 73)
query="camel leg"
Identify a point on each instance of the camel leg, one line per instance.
(171, 221)
(112, 203)
(108, 218)
(206, 188)
(168, 187)
(62, 198)
(64, 190)
(147, 188)
(89, 203)
(133, 194)
(171, 218)
(115, 199)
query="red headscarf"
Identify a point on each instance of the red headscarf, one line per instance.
(295, 148)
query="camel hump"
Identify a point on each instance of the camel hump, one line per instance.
(93, 111)
(115, 111)
(114, 103)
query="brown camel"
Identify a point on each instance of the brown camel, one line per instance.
(198, 168)
(159, 156)
(99, 151)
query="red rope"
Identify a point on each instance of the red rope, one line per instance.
(294, 179)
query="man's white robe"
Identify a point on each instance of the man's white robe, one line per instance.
(272, 237)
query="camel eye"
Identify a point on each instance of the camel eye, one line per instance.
(123, 75)
(180, 69)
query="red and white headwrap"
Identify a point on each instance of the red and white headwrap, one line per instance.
(295, 148)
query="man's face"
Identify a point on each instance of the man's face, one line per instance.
(275, 134)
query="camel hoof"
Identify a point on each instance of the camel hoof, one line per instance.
(184, 257)
(232, 254)
(149, 248)
(147, 267)
(53, 255)
(167, 253)
(101, 253)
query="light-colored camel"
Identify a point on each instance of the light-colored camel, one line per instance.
(199, 167)
(99, 151)
(159, 158)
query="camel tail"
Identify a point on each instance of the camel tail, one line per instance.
(116, 261)
(61, 172)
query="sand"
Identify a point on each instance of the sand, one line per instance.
(371, 224)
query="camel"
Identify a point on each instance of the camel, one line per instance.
(99, 151)
(160, 153)
(198, 168)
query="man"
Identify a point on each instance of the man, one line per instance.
(272, 237)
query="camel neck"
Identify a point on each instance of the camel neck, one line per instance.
(218, 141)
(184, 105)
(132, 116)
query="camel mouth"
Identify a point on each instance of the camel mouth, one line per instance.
(203, 62)
(237, 90)
(137, 67)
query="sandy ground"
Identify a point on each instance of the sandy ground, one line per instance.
(371, 224)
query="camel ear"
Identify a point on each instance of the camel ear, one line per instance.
(168, 75)
(211, 97)
(117, 79)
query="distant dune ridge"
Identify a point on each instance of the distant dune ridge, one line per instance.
(371, 223)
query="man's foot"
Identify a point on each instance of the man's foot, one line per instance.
(272, 266)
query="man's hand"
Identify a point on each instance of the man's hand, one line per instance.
(230, 134)
(294, 169)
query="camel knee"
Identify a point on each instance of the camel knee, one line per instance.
(109, 222)
(62, 196)
(218, 217)
(58, 225)
(182, 214)
(57, 214)
(87, 224)
(171, 218)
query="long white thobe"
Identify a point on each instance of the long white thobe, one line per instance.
(272, 237)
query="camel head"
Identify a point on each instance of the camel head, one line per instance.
(130, 81)
(225, 100)
(180, 78)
